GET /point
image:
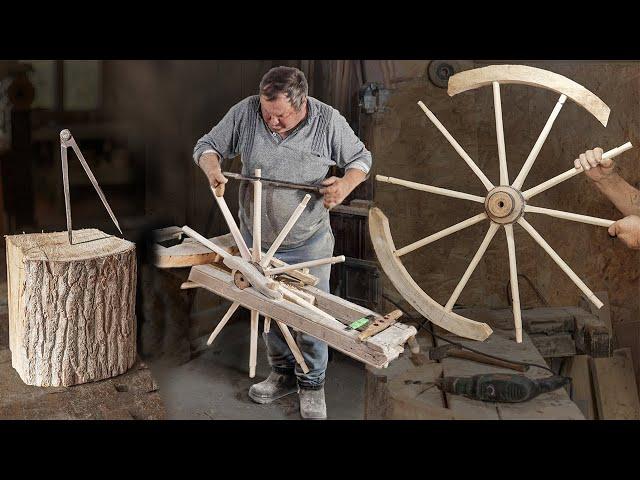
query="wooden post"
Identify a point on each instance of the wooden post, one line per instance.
(561, 263)
(253, 344)
(513, 275)
(428, 188)
(71, 307)
(310, 263)
(234, 306)
(293, 346)
(502, 153)
(285, 231)
(257, 217)
(493, 228)
(242, 246)
(524, 171)
(472, 165)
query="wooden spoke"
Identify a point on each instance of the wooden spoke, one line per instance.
(267, 324)
(483, 178)
(285, 231)
(233, 227)
(561, 263)
(257, 217)
(234, 306)
(513, 276)
(428, 188)
(574, 217)
(293, 346)
(517, 183)
(310, 263)
(253, 344)
(527, 194)
(502, 153)
(493, 228)
(205, 241)
(292, 296)
(442, 233)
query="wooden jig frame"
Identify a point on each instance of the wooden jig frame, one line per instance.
(504, 204)
(279, 292)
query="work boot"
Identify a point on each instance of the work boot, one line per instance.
(276, 386)
(312, 405)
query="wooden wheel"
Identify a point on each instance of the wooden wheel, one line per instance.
(503, 205)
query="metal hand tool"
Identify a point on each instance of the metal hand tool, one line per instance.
(279, 183)
(456, 351)
(500, 387)
(66, 141)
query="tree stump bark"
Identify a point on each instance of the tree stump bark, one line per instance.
(71, 307)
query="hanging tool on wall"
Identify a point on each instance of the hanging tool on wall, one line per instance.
(66, 141)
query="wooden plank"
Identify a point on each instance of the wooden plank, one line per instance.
(615, 387)
(412, 395)
(577, 367)
(191, 252)
(558, 345)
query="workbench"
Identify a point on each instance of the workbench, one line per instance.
(402, 391)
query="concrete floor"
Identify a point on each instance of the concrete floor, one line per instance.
(214, 384)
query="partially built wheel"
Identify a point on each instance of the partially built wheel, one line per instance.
(503, 205)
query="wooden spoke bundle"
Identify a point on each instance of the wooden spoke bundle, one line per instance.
(253, 269)
(504, 205)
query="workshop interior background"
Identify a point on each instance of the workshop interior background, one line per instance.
(137, 122)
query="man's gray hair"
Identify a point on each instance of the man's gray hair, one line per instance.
(286, 80)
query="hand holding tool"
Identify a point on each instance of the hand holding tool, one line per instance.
(278, 183)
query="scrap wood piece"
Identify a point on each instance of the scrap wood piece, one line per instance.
(615, 386)
(579, 369)
(190, 252)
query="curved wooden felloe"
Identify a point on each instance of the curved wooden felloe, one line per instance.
(536, 77)
(423, 303)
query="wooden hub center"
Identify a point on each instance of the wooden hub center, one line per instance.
(504, 205)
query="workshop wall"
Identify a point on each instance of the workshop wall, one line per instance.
(405, 144)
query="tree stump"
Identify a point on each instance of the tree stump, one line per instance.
(71, 307)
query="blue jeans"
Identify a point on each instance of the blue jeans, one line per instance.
(314, 351)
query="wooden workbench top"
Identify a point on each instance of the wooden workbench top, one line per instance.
(401, 391)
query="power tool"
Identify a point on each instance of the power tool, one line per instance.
(500, 387)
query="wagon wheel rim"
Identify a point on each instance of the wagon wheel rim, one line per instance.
(504, 204)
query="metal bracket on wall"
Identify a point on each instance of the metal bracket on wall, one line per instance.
(373, 97)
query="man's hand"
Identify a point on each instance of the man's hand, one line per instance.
(338, 188)
(594, 166)
(336, 191)
(627, 230)
(210, 165)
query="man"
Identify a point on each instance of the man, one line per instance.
(615, 188)
(289, 136)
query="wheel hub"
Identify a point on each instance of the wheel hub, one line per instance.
(504, 205)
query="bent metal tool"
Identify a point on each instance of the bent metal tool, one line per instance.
(66, 141)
